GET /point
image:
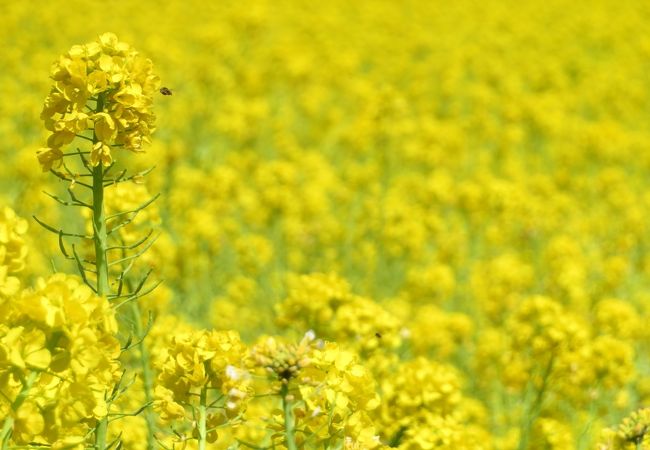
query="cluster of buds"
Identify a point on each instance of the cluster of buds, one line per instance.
(634, 428)
(284, 360)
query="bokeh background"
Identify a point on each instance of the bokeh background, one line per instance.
(477, 171)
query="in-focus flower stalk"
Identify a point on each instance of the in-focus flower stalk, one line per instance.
(100, 237)
(203, 417)
(102, 89)
(289, 422)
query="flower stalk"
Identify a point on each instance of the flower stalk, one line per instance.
(113, 99)
(100, 236)
(100, 239)
(288, 418)
(203, 418)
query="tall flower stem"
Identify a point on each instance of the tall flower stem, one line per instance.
(288, 418)
(100, 238)
(100, 235)
(101, 432)
(203, 417)
(118, 110)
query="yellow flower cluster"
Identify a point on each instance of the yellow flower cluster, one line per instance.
(201, 363)
(58, 361)
(325, 304)
(332, 391)
(104, 86)
(422, 407)
(546, 339)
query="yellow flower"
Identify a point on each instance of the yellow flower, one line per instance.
(101, 153)
(26, 349)
(165, 404)
(69, 443)
(29, 423)
(105, 128)
(49, 157)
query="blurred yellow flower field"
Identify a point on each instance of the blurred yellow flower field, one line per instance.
(340, 225)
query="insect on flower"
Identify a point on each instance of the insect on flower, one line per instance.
(165, 91)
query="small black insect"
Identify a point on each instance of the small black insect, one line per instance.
(165, 91)
(378, 335)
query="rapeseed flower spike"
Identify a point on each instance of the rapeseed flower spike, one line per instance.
(116, 84)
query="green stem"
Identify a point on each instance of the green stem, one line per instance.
(6, 431)
(203, 416)
(535, 408)
(7, 427)
(101, 432)
(288, 418)
(100, 238)
(147, 377)
(397, 437)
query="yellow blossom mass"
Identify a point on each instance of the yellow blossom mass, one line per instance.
(369, 225)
